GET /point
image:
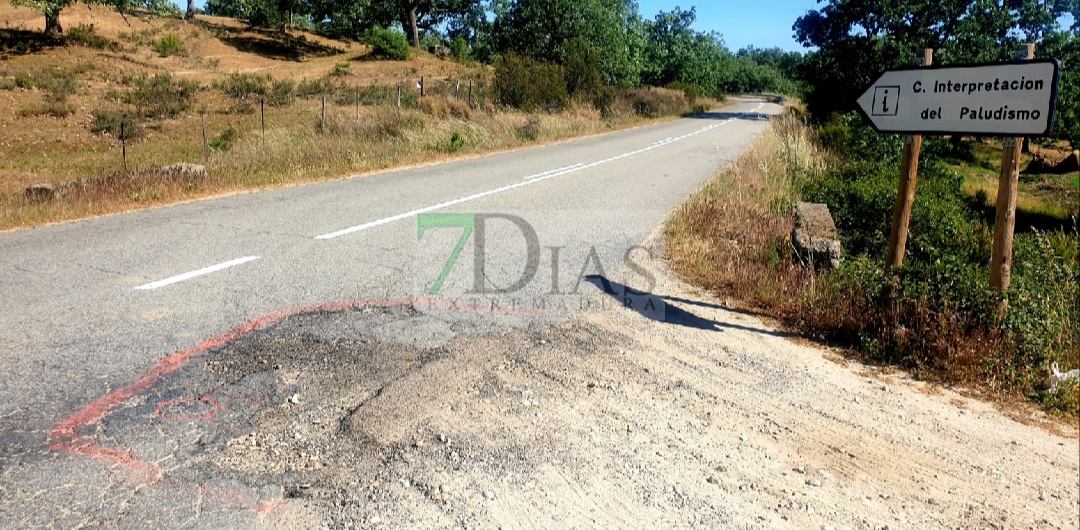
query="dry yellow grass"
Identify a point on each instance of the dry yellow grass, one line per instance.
(296, 147)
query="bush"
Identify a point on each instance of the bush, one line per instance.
(604, 101)
(388, 44)
(445, 107)
(109, 120)
(87, 36)
(161, 96)
(459, 49)
(169, 44)
(456, 143)
(48, 107)
(282, 92)
(530, 131)
(657, 102)
(530, 85)
(240, 85)
(225, 139)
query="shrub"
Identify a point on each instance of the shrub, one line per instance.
(459, 49)
(109, 120)
(48, 107)
(657, 102)
(456, 143)
(315, 87)
(7, 83)
(530, 131)
(87, 36)
(530, 85)
(161, 96)
(582, 70)
(444, 107)
(282, 92)
(388, 44)
(225, 139)
(604, 101)
(240, 85)
(169, 44)
(340, 70)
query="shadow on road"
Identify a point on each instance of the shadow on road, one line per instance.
(666, 308)
(724, 116)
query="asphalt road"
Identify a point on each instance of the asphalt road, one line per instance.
(94, 307)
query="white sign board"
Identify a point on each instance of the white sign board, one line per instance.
(998, 99)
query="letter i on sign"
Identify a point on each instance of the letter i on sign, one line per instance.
(885, 100)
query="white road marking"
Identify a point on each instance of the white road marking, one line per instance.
(531, 179)
(195, 274)
(549, 173)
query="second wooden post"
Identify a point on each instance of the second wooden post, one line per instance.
(905, 196)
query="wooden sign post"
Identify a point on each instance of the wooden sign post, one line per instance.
(1014, 100)
(905, 196)
(1005, 221)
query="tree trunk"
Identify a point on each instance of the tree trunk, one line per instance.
(408, 25)
(190, 9)
(52, 24)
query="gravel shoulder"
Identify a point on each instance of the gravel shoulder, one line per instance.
(405, 418)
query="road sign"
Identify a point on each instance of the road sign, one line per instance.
(995, 99)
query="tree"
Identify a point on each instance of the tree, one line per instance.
(52, 8)
(609, 31)
(1065, 47)
(190, 14)
(856, 39)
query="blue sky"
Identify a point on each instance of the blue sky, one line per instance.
(761, 23)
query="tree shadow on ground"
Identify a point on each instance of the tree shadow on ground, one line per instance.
(665, 309)
(270, 44)
(724, 116)
(24, 42)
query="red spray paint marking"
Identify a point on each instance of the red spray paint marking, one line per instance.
(65, 437)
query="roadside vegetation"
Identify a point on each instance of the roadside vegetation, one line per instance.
(279, 98)
(935, 316)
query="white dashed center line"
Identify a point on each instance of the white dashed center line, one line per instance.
(195, 274)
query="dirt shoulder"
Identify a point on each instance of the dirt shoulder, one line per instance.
(413, 417)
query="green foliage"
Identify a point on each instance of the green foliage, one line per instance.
(161, 96)
(456, 143)
(528, 84)
(937, 314)
(388, 44)
(340, 70)
(88, 36)
(48, 107)
(240, 85)
(110, 120)
(282, 93)
(459, 49)
(855, 41)
(169, 44)
(1065, 46)
(226, 139)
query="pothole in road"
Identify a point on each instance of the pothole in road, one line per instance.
(389, 411)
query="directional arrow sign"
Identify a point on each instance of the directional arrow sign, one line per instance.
(997, 99)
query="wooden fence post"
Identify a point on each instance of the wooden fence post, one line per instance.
(123, 145)
(1005, 221)
(262, 117)
(399, 96)
(905, 195)
(323, 121)
(205, 140)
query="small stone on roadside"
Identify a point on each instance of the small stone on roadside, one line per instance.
(813, 482)
(489, 495)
